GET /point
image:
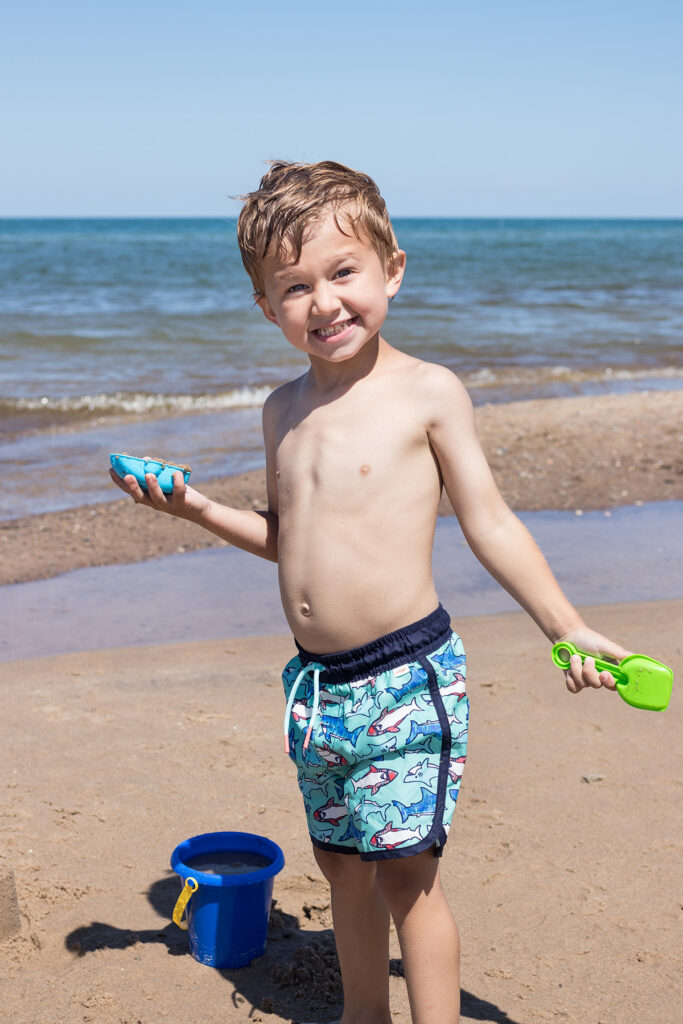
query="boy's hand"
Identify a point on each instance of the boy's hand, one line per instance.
(184, 502)
(580, 675)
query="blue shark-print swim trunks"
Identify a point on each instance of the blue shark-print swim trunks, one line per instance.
(379, 737)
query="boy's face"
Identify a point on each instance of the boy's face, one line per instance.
(335, 298)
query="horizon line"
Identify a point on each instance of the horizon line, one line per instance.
(398, 216)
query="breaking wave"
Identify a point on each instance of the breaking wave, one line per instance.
(138, 404)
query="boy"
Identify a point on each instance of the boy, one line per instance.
(357, 452)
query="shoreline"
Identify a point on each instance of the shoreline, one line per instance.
(627, 554)
(581, 453)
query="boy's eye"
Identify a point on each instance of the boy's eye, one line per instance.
(343, 273)
(295, 288)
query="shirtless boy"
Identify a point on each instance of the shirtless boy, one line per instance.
(357, 452)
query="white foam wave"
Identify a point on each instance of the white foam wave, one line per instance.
(509, 376)
(141, 404)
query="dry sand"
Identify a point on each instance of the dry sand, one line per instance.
(569, 453)
(561, 867)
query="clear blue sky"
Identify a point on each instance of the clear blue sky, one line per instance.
(477, 108)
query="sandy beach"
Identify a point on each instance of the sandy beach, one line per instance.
(565, 848)
(561, 864)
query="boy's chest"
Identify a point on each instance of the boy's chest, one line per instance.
(351, 457)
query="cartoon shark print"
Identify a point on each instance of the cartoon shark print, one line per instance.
(389, 837)
(426, 771)
(367, 807)
(425, 805)
(331, 757)
(374, 779)
(326, 698)
(423, 729)
(300, 711)
(448, 659)
(363, 706)
(334, 728)
(368, 683)
(308, 786)
(456, 767)
(331, 812)
(351, 833)
(390, 720)
(418, 677)
(456, 688)
(388, 747)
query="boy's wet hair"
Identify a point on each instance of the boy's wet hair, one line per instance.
(292, 196)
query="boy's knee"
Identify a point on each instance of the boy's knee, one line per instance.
(401, 882)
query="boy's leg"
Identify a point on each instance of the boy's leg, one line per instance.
(428, 936)
(361, 932)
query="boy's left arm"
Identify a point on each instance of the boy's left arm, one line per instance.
(497, 537)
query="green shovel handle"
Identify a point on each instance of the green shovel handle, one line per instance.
(563, 651)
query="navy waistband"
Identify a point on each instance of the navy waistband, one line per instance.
(387, 652)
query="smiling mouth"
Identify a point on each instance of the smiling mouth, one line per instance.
(334, 329)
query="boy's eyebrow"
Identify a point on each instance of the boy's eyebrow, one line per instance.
(292, 269)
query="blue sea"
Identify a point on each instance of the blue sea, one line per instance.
(141, 335)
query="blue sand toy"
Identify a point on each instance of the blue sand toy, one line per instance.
(641, 681)
(226, 896)
(124, 464)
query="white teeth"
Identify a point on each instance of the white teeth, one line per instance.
(327, 332)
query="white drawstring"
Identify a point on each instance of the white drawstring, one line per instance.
(290, 704)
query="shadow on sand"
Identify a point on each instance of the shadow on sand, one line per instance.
(297, 978)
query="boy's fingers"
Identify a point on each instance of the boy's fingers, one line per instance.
(129, 485)
(178, 484)
(582, 674)
(155, 492)
(590, 674)
(117, 480)
(608, 680)
(573, 675)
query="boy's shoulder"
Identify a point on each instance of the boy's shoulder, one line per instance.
(433, 382)
(431, 387)
(283, 396)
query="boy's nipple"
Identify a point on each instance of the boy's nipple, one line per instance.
(365, 469)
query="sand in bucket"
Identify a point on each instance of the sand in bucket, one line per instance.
(228, 886)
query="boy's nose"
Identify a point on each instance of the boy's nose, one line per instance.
(325, 300)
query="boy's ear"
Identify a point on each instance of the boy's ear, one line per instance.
(395, 271)
(267, 310)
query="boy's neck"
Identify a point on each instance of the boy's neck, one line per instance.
(328, 376)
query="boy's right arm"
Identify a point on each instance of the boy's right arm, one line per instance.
(253, 531)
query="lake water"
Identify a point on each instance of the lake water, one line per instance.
(141, 335)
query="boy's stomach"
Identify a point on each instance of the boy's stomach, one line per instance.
(342, 592)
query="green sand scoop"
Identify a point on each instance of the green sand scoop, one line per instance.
(641, 681)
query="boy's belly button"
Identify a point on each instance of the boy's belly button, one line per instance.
(305, 608)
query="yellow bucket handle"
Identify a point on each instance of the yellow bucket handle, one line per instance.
(191, 885)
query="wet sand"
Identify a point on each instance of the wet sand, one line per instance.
(561, 865)
(571, 453)
(629, 553)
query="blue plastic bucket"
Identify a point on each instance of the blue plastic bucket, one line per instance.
(227, 914)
